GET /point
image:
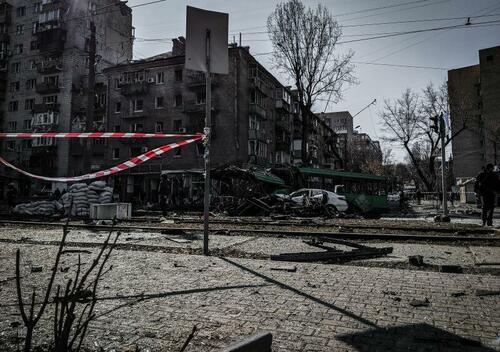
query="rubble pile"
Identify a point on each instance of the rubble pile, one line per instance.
(75, 202)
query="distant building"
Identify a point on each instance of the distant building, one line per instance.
(44, 54)
(366, 153)
(474, 93)
(341, 122)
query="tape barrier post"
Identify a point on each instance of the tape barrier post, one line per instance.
(138, 160)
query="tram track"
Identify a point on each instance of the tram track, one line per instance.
(179, 230)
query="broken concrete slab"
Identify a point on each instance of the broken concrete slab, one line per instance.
(289, 268)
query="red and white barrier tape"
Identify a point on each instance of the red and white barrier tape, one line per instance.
(138, 160)
(97, 135)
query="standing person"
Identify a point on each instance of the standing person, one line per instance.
(477, 187)
(163, 194)
(489, 187)
(11, 196)
(419, 196)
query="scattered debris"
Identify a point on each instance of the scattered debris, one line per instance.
(457, 294)
(455, 269)
(178, 240)
(416, 260)
(420, 303)
(291, 268)
(36, 269)
(332, 254)
(481, 293)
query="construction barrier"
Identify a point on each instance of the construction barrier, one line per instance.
(138, 160)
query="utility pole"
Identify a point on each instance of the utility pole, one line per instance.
(442, 135)
(87, 159)
(207, 131)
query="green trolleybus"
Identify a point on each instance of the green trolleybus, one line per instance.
(365, 193)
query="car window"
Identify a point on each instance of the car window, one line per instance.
(316, 192)
(299, 193)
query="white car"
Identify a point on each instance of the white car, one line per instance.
(335, 201)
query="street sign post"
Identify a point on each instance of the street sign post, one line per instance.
(207, 51)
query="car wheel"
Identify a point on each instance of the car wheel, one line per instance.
(331, 210)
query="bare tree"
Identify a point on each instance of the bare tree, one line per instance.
(407, 122)
(305, 47)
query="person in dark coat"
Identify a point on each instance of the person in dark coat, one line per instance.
(11, 196)
(477, 190)
(489, 186)
(163, 194)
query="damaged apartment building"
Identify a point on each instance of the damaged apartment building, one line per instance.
(255, 121)
(44, 56)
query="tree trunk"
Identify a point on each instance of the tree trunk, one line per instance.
(428, 185)
(29, 338)
(305, 135)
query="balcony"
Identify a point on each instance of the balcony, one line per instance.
(49, 67)
(51, 40)
(284, 144)
(280, 104)
(4, 38)
(198, 80)
(53, 5)
(257, 135)
(257, 110)
(135, 88)
(45, 107)
(5, 13)
(47, 88)
(259, 84)
(192, 107)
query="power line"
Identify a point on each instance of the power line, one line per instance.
(400, 65)
(420, 31)
(381, 8)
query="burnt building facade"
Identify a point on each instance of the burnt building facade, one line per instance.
(252, 120)
(44, 55)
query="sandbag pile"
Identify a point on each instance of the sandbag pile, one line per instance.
(45, 208)
(75, 202)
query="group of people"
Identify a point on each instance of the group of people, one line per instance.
(487, 187)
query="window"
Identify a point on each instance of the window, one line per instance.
(31, 84)
(15, 86)
(33, 65)
(117, 128)
(117, 83)
(200, 98)
(12, 126)
(135, 151)
(159, 127)
(27, 125)
(137, 127)
(177, 125)
(16, 67)
(11, 145)
(159, 102)
(118, 107)
(21, 11)
(116, 153)
(19, 49)
(178, 153)
(13, 105)
(34, 45)
(50, 99)
(19, 29)
(137, 105)
(26, 144)
(489, 58)
(178, 100)
(29, 104)
(178, 75)
(37, 7)
(160, 78)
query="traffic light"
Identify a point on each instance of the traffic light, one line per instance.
(435, 123)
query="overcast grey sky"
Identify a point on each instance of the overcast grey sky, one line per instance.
(441, 49)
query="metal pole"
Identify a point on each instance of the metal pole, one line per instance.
(207, 131)
(442, 131)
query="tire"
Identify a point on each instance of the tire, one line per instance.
(331, 210)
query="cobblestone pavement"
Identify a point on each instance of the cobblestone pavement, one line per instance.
(152, 300)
